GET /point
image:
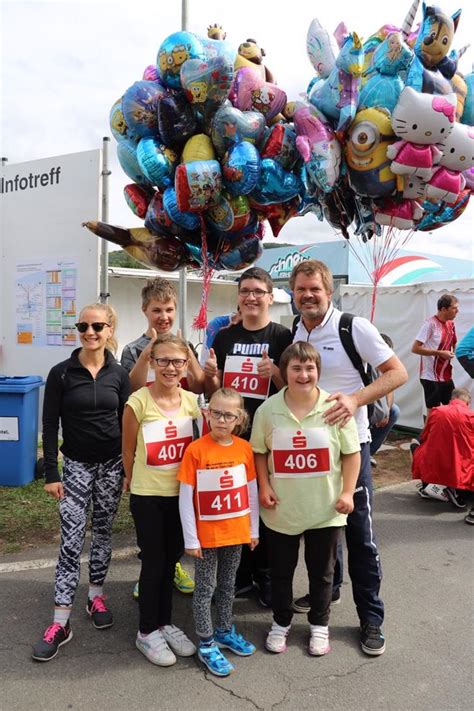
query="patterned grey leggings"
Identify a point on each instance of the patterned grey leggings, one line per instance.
(223, 563)
(84, 483)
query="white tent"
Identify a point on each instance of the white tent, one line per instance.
(399, 312)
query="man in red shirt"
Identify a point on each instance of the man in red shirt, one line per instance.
(446, 453)
(435, 343)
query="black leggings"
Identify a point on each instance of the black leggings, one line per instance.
(320, 550)
(160, 539)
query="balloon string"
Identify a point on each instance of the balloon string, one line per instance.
(200, 322)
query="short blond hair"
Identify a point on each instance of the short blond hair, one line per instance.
(232, 394)
(159, 289)
(308, 267)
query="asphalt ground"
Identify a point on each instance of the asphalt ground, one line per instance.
(426, 554)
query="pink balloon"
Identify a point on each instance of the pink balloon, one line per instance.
(252, 93)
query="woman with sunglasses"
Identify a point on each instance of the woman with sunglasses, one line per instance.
(157, 427)
(86, 394)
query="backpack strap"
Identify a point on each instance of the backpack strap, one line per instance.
(294, 325)
(345, 334)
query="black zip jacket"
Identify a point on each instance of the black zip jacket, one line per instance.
(90, 412)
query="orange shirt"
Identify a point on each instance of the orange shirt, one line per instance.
(219, 476)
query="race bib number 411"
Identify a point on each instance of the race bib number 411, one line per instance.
(240, 373)
(222, 493)
(166, 441)
(300, 453)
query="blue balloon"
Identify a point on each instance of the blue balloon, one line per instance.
(242, 254)
(468, 111)
(127, 156)
(139, 105)
(241, 168)
(172, 54)
(118, 125)
(383, 89)
(276, 184)
(156, 162)
(187, 220)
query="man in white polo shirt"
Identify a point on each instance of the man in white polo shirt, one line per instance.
(312, 286)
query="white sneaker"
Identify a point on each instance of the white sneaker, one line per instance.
(434, 491)
(177, 640)
(276, 638)
(155, 649)
(318, 641)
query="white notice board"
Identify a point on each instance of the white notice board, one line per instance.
(49, 263)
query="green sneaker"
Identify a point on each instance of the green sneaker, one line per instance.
(182, 580)
(135, 592)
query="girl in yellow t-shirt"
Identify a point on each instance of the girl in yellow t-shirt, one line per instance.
(157, 427)
(218, 504)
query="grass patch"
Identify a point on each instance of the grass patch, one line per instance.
(29, 517)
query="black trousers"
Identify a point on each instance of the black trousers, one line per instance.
(320, 550)
(160, 540)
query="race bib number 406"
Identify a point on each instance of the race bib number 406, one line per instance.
(300, 453)
(222, 493)
(241, 374)
(166, 441)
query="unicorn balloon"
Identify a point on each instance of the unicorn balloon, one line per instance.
(338, 96)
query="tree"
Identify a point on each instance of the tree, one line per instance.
(120, 258)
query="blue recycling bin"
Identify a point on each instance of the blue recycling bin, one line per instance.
(18, 428)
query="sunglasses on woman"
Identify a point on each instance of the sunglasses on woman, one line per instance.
(97, 326)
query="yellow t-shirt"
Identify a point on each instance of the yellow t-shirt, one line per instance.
(161, 443)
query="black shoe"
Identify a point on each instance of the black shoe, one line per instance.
(301, 604)
(336, 597)
(454, 498)
(264, 595)
(99, 613)
(372, 640)
(243, 590)
(470, 517)
(54, 637)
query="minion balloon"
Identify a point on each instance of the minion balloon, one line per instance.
(366, 153)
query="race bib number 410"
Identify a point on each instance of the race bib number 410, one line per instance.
(222, 493)
(240, 373)
(166, 441)
(300, 453)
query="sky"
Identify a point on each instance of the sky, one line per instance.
(65, 63)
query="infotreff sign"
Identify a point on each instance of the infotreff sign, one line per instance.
(50, 264)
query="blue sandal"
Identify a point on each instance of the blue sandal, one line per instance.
(212, 657)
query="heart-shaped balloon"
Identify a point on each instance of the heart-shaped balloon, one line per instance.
(280, 145)
(187, 220)
(139, 105)
(241, 168)
(176, 120)
(230, 125)
(276, 184)
(156, 162)
(127, 156)
(138, 197)
(207, 81)
(251, 92)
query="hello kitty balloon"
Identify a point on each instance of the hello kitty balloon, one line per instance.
(421, 121)
(458, 155)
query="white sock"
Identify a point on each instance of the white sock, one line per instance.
(61, 615)
(94, 590)
(320, 631)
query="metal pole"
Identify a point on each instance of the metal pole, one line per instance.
(183, 291)
(104, 216)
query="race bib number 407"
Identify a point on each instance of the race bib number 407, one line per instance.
(222, 493)
(300, 453)
(241, 374)
(166, 441)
